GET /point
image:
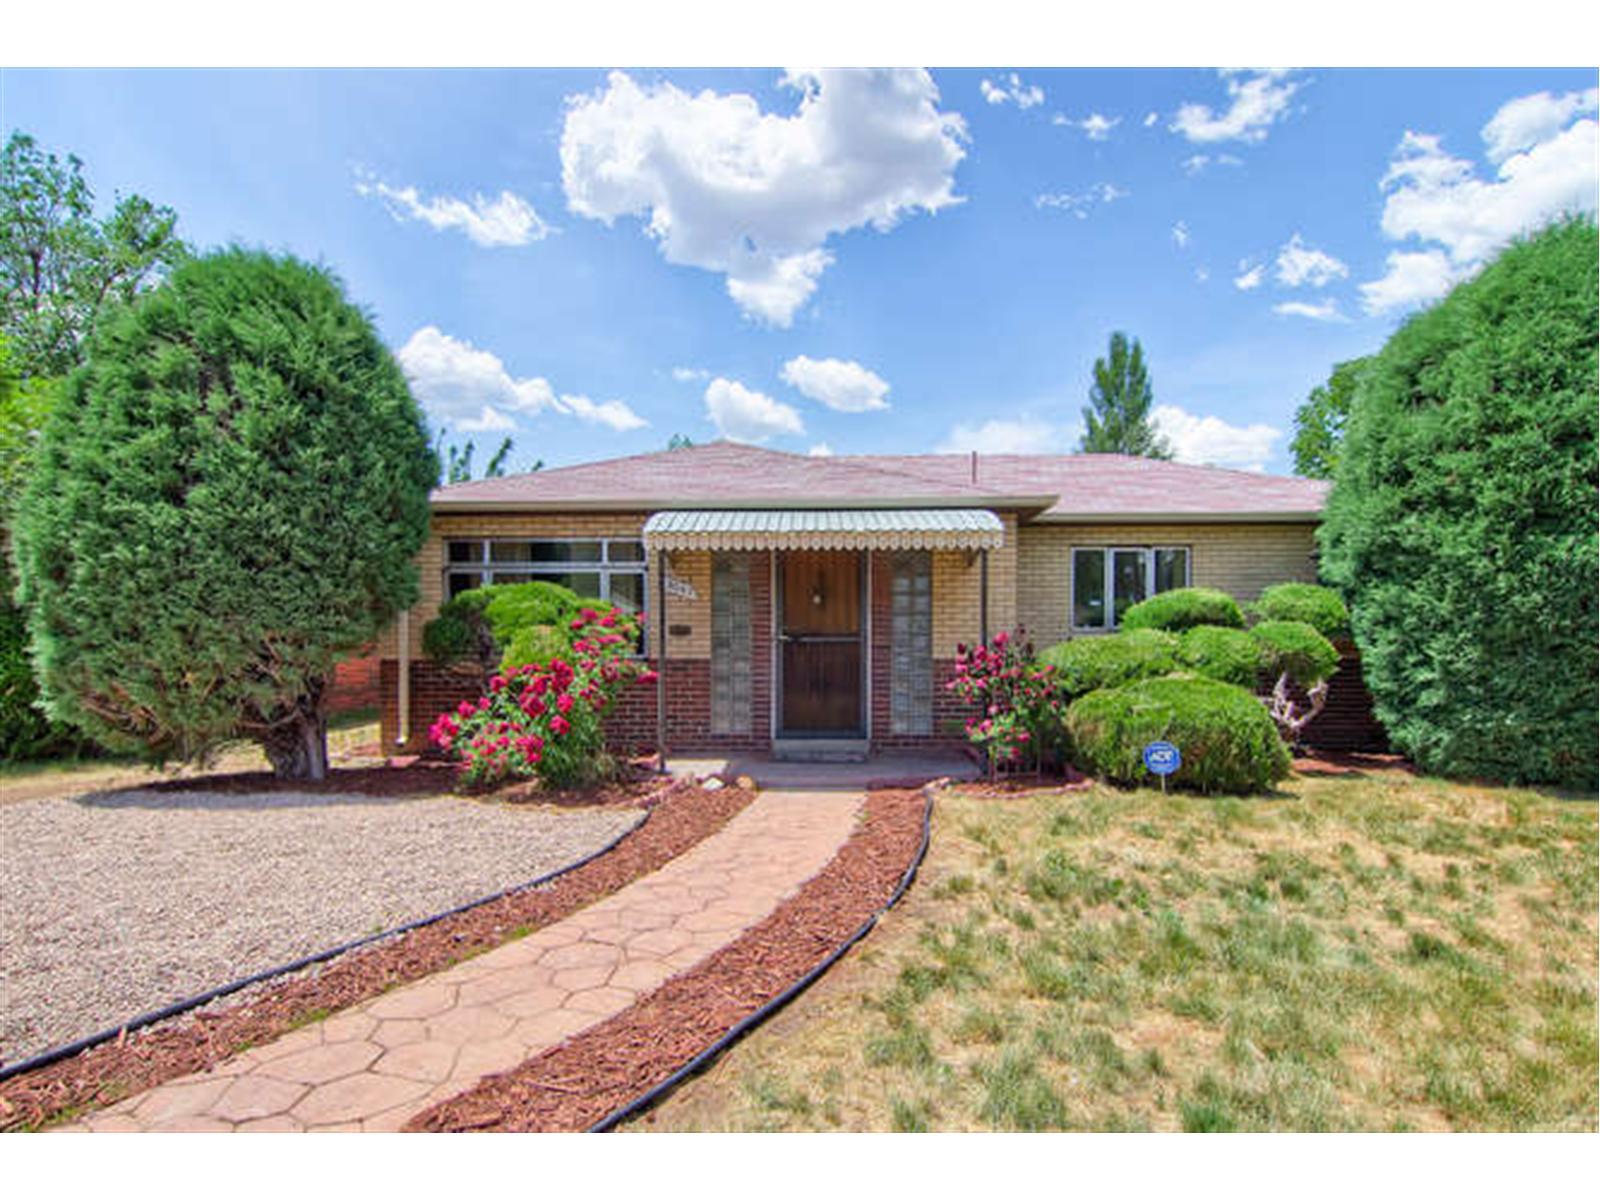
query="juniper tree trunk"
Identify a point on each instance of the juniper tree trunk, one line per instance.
(298, 748)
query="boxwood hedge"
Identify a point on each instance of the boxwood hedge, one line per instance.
(1319, 607)
(1087, 663)
(1228, 742)
(1184, 608)
(1229, 655)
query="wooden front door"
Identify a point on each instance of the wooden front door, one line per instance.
(820, 657)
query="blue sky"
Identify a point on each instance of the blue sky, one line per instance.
(902, 261)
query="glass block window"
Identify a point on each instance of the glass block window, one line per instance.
(911, 643)
(730, 644)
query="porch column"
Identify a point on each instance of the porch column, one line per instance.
(983, 597)
(661, 661)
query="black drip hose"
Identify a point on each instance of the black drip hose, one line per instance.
(705, 1058)
(179, 1007)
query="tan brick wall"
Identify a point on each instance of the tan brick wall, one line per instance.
(957, 593)
(1239, 559)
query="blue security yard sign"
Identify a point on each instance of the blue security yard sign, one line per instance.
(1163, 759)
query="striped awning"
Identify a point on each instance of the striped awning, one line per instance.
(824, 529)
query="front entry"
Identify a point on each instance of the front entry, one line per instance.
(820, 658)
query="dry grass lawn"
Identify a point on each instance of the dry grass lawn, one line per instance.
(1357, 953)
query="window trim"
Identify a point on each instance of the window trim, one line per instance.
(1109, 575)
(604, 567)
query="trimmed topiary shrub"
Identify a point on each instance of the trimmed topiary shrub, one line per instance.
(1184, 608)
(1319, 607)
(1461, 524)
(1228, 742)
(1084, 664)
(507, 625)
(1295, 649)
(1229, 655)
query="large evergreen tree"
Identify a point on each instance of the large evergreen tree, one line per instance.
(227, 500)
(1461, 525)
(1117, 420)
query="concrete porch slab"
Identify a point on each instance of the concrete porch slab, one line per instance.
(895, 769)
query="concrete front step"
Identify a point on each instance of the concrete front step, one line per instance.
(820, 750)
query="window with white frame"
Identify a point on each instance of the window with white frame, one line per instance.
(1109, 580)
(611, 569)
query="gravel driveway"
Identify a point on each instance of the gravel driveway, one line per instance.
(113, 904)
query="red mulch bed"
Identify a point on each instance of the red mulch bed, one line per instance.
(1336, 762)
(680, 816)
(413, 778)
(572, 1086)
(1068, 780)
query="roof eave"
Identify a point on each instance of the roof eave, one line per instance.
(478, 505)
(1211, 517)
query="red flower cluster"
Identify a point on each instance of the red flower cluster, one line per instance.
(1019, 706)
(546, 720)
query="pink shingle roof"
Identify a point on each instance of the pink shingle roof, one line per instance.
(731, 475)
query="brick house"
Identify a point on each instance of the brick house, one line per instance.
(801, 603)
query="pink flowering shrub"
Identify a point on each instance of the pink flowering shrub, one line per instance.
(546, 720)
(1020, 709)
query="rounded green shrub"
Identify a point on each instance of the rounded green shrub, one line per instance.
(1184, 608)
(1295, 649)
(1229, 655)
(1086, 663)
(1461, 524)
(1319, 607)
(1228, 742)
(506, 625)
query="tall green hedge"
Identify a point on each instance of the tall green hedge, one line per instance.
(1184, 608)
(1461, 525)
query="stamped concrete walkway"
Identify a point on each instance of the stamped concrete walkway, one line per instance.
(374, 1066)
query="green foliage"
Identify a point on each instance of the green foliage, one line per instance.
(1117, 420)
(506, 625)
(1229, 655)
(1295, 649)
(226, 501)
(1319, 422)
(1461, 525)
(1228, 742)
(1086, 663)
(60, 265)
(456, 461)
(680, 441)
(1184, 608)
(1319, 607)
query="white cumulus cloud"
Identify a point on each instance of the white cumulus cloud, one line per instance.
(1302, 265)
(754, 196)
(1002, 435)
(820, 450)
(842, 385)
(1011, 90)
(690, 374)
(1212, 441)
(1249, 275)
(1096, 126)
(1523, 123)
(504, 220)
(745, 415)
(1543, 148)
(1256, 100)
(1180, 234)
(1196, 163)
(470, 389)
(1326, 310)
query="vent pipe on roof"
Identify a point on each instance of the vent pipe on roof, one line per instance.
(974, 466)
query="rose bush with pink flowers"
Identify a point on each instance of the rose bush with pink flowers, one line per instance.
(1020, 708)
(546, 720)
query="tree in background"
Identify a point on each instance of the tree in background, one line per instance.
(1461, 525)
(1117, 420)
(1319, 422)
(679, 441)
(226, 501)
(60, 265)
(456, 461)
